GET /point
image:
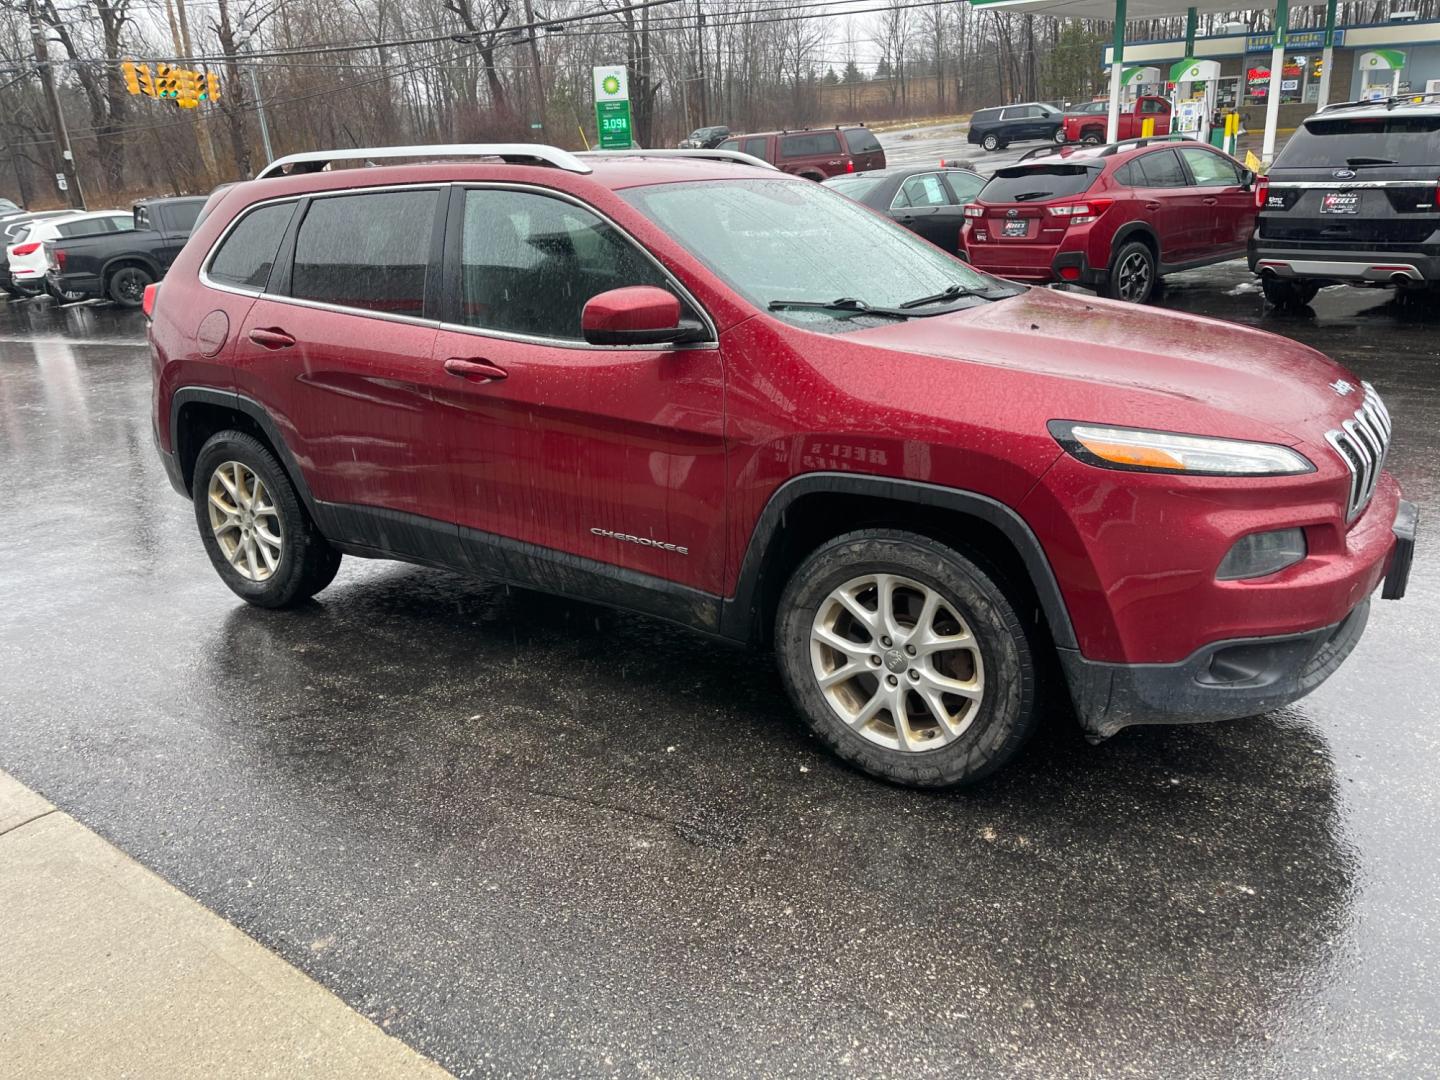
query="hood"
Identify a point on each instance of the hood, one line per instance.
(1166, 365)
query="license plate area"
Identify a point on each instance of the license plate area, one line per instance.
(1015, 229)
(1340, 202)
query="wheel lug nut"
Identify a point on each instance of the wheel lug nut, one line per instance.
(892, 680)
(885, 641)
(874, 661)
(914, 675)
(910, 649)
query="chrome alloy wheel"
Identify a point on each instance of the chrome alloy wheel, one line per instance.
(245, 521)
(896, 662)
(1134, 277)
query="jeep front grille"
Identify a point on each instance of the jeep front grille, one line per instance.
(1362, 444)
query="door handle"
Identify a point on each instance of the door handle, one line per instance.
(272, 338)
(474, 370)
(1210, 200)
(1152, 206)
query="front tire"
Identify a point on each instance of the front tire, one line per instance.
(1287, 293)
(1059, 136)
(127, 286)
(255, 529)
(906, 658)
(1132, 277)
(990, 143)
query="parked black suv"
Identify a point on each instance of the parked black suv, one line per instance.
(1353, 198)
(995, 129)
(705, 138)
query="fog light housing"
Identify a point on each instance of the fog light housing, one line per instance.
(1261, 554)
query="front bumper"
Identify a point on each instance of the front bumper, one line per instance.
(1225, 680)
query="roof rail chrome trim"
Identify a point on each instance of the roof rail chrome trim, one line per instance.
(511, 153)
(712, 155)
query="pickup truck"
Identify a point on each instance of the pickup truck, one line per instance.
(120, 265)
(1088, 127)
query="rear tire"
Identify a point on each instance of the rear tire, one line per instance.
(1059, 136)
(1132, 274)
(126, 286)
(990, 143)
(962, 678)
(1091, 138)
(1287, 293)
(260, 539)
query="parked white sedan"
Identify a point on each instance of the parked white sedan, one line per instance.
(26, 251)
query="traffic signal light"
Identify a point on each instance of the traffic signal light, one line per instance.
(212, 87)
(142, 76)
(165, 83)
(187, 88)
(132, 80)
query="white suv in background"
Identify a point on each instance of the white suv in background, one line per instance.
(26, 251)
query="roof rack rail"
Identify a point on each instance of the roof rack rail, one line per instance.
(511, 153)
(1387, 102)
(713, 155)
(1039, 151)
(1123, 145)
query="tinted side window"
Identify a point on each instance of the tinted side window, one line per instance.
(729, 144)
(180, 217)
(985, 116)
(1129, 175)
(366, 251)
(756, 147)
(811, 143)
(247, 254)
(965, 185)
(1162, 169)
(923, 190)
(861, 141)
(1210, 170)
(528, 263)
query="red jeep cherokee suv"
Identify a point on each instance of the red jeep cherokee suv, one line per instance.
(702, 390)
(1114, 218)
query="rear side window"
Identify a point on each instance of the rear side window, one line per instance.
(984, 116)
(1363, 140)
(1035, 182)
(965, 185)
(861, 141)
(729, 144)
(756, 147)
(368, 251)
(812, 143)
(923, 190)
(1154, 105)
(181, 216)
(1161, 169)
(247, 254)
(529, 263)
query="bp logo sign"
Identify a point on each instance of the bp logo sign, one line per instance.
(612, 108)
(611, 85)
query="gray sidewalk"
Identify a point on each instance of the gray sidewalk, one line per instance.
(108, 971)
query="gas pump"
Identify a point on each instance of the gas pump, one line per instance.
(1384, 62)
(1193, 108)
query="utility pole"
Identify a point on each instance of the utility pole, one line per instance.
(64, 159)
(535, 64)
(260, 115)
(704, 88)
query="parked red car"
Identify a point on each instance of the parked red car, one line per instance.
(1089, 123)
(630, 380)
(814, 153)
(1114, 218)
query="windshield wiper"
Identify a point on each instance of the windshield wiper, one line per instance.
(1028, 195)
(844, 303)
(1368, 161)
(950, 292)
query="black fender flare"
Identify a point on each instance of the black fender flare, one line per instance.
(1126, 233)
(237, 402)
(738, 616)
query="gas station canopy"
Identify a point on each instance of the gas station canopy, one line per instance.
(1133, 9)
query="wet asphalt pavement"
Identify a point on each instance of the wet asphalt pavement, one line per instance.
(533, 837)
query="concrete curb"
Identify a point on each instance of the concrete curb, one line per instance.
(107, 970)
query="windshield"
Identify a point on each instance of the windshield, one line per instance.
(778, 240)
(1358, 141)
(854, 187)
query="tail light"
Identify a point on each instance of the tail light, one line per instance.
(26, 249)
(152, 293)
(849, 164)
(974, 210)
(57, 256)
(1082, 213)
(1262, 192)
(1437, 192)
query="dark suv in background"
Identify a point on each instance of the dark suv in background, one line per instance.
(1352, 198)
(705, 138)
(995, 129)
(814, 153)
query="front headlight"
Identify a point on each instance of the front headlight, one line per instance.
(1138, 450)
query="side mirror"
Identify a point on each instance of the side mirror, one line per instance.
(1247, 179)
(636, 315)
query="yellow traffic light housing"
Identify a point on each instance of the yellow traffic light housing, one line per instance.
(187, 88)
(132, 78)
(143, 77)
(212, 87)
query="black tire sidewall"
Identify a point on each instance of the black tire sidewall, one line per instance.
(294, 579)
(1007, 710)
(990, 144)
(1126, 250)
(112, 287)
